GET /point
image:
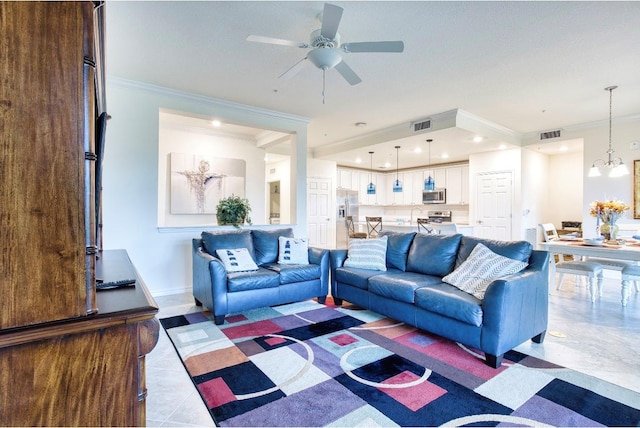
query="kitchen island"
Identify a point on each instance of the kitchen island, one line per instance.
(465, 229)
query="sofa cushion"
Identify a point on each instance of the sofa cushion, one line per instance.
(227, 240)
(433, 254)
(397, 248)
(401, 286)
(253, 280)
(295, 273)
(357, 277)
(293, 251)
(367, 254)
(480, 269)
(265, 244)
(445, 299)
(236, 260)
(517, 250)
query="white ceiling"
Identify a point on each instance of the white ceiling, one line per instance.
(524, 66)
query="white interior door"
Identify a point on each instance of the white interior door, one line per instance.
(494, 205)
(321, 226)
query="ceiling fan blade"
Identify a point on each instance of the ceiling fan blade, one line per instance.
(294, 69)
(331, 17)
(389, 46)
(274, 41)
(348, 74)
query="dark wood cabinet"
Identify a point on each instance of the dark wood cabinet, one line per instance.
(68, 356)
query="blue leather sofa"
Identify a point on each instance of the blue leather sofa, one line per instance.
(514, 308)
(272, 284)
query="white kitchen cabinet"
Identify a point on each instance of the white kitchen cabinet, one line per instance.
(457, 185)
(348, 179)
(365, 179)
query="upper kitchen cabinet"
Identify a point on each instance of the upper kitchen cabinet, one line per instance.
(378, 180)
(348, 179)
(457, 185)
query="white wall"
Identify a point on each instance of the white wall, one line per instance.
(565, 189)
(537, 189)
(174, 138)
(130, 180)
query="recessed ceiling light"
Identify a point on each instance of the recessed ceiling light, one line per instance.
(216, 123)
(477, 139)
(502, 146)
(445, 156)
(417, 150)
(358, 160)
(564, 148)
(387, 164)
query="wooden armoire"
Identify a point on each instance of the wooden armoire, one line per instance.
(69, 356)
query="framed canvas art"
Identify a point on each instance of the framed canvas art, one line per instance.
(198, 182)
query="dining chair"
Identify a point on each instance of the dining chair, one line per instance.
(351, 229)
(590, 270)
(424, 226)
(374, 226)
(629, 273)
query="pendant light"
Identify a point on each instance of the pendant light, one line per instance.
(429, 183)
(615, 164)
(371, 188)
(397, 185)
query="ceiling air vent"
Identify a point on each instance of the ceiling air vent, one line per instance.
(550, 134)
(421, 126)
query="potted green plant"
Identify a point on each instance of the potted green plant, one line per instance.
(233, 210)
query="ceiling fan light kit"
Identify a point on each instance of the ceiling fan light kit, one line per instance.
(325, 48)
(616, 166)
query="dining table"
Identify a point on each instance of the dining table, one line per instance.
(628, 250)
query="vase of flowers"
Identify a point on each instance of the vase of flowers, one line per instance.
(608, 212)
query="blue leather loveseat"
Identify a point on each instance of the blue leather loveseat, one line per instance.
(272, 283)
(513, 309)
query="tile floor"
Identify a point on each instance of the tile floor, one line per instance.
(602, 339)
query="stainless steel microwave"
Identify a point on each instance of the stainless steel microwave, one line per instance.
(435, 196)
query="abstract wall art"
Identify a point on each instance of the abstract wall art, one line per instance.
(198, 182)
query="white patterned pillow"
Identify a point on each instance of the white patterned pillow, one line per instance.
(293, 251)
(480, 269)
(237, 260)
(367, 254)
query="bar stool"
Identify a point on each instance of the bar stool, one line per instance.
(374, 226)
(424, 226)
(351, 229)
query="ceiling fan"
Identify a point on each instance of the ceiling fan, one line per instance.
(326, 49)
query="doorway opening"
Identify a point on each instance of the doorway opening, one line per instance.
(274, 202)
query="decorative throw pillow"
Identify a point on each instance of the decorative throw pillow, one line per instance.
(367, 254)
(480, 269)
(293, 251)
(237, 260)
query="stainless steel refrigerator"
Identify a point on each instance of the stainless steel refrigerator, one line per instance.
(347, 204)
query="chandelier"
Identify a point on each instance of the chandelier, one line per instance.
(615, 164)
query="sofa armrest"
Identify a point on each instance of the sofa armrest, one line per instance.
(336, 258)
(515, 308)
(320, 256)
(209, 280)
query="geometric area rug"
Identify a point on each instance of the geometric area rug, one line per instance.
(308, 364)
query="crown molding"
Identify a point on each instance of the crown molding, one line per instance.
(125, 83)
